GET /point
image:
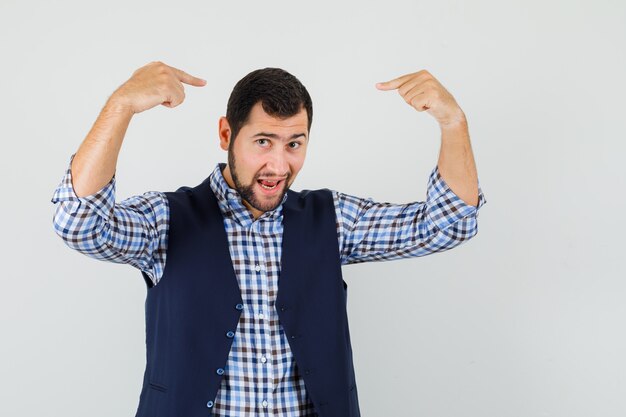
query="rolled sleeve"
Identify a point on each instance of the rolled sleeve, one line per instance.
(444, 207)
(101, 202)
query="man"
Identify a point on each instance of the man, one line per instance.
(246, 306)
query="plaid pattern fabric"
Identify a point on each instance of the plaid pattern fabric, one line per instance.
(371, 231)
(261, 376)
(133, 231)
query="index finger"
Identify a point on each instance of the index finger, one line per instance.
(393, 84)
(187, 78)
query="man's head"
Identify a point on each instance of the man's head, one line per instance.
(266, 132)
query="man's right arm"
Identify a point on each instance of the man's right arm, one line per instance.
(134, 231)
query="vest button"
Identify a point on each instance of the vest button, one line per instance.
(239, 306)
(209, 404)
(220, 371)
(230, 334)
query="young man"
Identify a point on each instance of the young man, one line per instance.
(246, 305)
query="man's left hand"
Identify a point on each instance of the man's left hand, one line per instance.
(423, 92)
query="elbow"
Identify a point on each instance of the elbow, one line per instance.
(64, 230)
(461, 231)
(60, 224)
(81, 233)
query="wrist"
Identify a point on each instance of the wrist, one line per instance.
(455, 122)
(117, 104)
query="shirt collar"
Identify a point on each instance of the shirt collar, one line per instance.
(230, 201)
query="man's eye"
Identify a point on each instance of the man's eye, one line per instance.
(262, 142)
(294, 145)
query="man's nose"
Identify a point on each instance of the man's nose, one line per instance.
(277, 163)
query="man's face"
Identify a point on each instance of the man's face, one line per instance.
(265, 158)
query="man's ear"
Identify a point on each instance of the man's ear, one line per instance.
(224, 133)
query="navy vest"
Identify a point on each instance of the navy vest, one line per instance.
(198, 301)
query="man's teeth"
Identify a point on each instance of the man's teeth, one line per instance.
(268, 185)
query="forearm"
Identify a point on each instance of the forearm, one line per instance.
(456, 161)
(96, 159)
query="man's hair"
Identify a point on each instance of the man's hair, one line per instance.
(280, 93)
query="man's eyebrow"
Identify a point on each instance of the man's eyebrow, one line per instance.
(275, 136)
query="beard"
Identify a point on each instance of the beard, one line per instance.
(247, 191)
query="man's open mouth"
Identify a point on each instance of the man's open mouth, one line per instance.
(269, 185)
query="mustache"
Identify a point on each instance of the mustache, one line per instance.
(285, 176)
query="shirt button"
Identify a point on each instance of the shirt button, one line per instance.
(263, 359)
(220, 371)
(230, 334)
(209, 404)
(257, 268)
(261, 316)
(264, 403)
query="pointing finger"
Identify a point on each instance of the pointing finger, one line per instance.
(188, 79)
(393, 84)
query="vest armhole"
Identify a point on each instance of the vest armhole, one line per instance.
(148, 281)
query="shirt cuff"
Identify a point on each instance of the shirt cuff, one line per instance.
(101, 202)
(444, 206)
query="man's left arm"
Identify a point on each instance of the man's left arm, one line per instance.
(456, 163)
(370, 231)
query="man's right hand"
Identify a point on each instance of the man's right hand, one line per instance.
(153, 84)
(96, 159)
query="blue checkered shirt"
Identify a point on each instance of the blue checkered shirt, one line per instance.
(261, 377)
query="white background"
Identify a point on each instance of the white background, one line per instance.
(526, 319)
